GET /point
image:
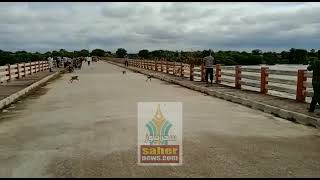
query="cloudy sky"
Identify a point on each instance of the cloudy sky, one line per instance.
(43, 26)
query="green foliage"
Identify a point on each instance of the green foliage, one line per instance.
(97, 52)
(256, 52)
(121, 52)
(270, 58)
(84, 53)
(145, 54)
(7, 57)
(133, 56)
(255, 57)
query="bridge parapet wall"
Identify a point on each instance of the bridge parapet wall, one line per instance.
(294, 84)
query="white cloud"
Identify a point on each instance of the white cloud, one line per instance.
(236, 26)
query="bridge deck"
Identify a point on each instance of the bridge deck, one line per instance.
(88, 128)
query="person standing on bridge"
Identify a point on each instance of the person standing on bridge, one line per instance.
(50, 63)
(65, 61)
(58, 62)
(89, 59)
(209, 61)
(315, 67)
(126, 62)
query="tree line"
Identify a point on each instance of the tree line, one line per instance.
(255, 57)
(7, 57)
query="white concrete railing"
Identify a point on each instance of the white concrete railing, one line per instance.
(296, 83)
(16, 71)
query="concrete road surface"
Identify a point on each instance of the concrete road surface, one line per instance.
(88, 129)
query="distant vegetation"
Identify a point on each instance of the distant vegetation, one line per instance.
(7, 57)
(255, 57)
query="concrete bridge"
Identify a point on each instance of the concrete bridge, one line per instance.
(88, 129)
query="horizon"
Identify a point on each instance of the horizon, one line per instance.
(175, 26)
(113, 52)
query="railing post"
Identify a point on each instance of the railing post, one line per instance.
(38, 66)
(181, 69)
(191, 71)
(155, 65)
(167, 68)
(9, 71)
(202, 72)
(264, 80)
(238, 77)
(218, 74)
(161, 63)
(24, 69)
(174, 68)
(301, 88)
(18, 71)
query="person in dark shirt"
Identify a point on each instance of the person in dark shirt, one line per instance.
(58, 62)
(315, 67)
(209, 62)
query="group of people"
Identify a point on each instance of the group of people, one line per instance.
(66, 62)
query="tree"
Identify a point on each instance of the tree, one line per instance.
(133, 56)
(56, 54)
(47, 54)
(98, 52)
(270, 58)
(256, 52)
(205, 53)
(144, 53)
(301, 56)
(84, 53)
(121, 52)
(63, 52)
(292, 59)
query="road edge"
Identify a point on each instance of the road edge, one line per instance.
(275, 111)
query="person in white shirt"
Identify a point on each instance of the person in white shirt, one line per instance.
(89, 59)
(65, 60)
(50, 63)
(126, 62)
